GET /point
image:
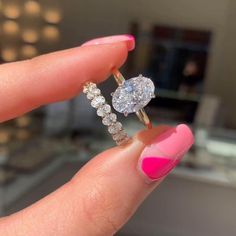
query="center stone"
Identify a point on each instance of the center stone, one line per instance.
(133, 95)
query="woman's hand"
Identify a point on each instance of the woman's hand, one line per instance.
(104, 194)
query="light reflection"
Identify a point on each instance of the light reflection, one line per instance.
(32, 7)
(52, 16)
(28, 51)
(11, 11)
(30, 35)
(50, 33)
(4, 136)
(10, 27)
(23, 121)
(9, 54)
(18, 21)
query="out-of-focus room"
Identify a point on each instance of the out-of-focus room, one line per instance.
(188, 50)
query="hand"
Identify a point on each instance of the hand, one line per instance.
(104, 194)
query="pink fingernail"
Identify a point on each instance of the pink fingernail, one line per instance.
(128, 39)
(160, 157)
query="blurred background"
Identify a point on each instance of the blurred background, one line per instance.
(188, 49)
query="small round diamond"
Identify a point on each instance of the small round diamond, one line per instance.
(98, 101)
(92, 94)
(133, 95)
(115, 128)
(92, 87)
(119, 136)
(109, 119)
(103, 110)
(96, 91)
(123, 141)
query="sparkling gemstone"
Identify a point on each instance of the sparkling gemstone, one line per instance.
(115, 128)
(90, 96)
(122, 141)
(119, 136)
(89, 87)
(93, 93)
(103, 110)
(109, 119)
(98, 101)
(133, 95)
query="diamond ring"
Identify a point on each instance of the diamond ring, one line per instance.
(133, 95)
(109, 118)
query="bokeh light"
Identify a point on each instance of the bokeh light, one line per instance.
(28, 51)
(10, 27)
(22, 134)
(32, 7)
(11, 11)
(52, 16)
(9, 54)
(30, 35)
(26, 25)
(4, 136)
(50, 33)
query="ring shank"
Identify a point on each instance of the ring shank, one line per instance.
(143, 117)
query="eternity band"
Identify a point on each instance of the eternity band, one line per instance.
(109, 118)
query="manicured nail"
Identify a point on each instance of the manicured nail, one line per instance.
(128, 39)
(160, 157)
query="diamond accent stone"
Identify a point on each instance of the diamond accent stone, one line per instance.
(115, 128)
(122, 141)
(89, 87)
(119, 136)
(93, 93)
(133, 95)
(109, 119)
(90, 96)
(98, 101)
(103, 110)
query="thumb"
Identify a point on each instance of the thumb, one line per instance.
(106, 191)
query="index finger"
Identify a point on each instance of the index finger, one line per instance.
(58, 76)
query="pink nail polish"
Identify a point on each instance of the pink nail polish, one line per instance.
(128, 39)
(160, 157)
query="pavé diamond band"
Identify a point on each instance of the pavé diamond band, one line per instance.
(109, 118)
(133, 95)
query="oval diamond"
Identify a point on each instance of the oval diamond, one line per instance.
(133, 95)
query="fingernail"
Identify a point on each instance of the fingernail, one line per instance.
(160, 157)
(127, 38)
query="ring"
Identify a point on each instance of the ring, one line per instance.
(133, 95)
(109, 118)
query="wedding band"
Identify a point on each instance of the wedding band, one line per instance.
(109, 118)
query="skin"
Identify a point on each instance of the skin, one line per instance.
(105, 193)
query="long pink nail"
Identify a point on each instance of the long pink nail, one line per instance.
(160, 157)
(128, 39)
